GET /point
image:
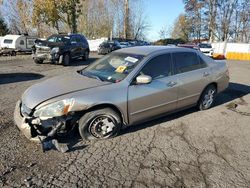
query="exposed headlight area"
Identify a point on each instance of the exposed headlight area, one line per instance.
(25, 110)
(55, 50)
(47, 121)
(55, 109)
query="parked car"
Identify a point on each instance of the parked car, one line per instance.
(133, 43)
(17, 43)
(124, 44)
(61, 49)
(108, 46)
(207, 49)
(192, 46)
(127, 87)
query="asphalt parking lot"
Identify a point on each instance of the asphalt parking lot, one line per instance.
(187, 149)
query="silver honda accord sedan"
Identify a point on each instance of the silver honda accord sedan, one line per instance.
(126, 87)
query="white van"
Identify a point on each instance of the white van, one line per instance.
(20, 43)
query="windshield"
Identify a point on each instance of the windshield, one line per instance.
(113, 68)
(205, 46)
(54, 39)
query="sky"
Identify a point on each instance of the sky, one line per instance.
(161, 13)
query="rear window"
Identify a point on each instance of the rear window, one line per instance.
(22, 42)
(205, 46)
(7, 41)
(30, 41)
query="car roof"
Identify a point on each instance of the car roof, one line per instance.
(147, 50)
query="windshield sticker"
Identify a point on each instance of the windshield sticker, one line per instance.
(131, 59)
(121, 69)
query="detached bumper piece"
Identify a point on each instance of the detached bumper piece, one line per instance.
(36, 131)
(54, 144)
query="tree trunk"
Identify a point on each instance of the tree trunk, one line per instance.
(126, 19)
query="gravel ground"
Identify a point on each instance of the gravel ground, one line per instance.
(15, 58)
(187, 149)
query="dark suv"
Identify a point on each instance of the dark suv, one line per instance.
(61, 49)
(108, 46)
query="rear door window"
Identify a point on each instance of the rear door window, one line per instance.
(202, 62)
(185, 62)
(158, 67)
(79, 39)
(73, 40)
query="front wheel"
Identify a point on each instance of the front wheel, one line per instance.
(207, 98)
(65, 59)
(100, 124)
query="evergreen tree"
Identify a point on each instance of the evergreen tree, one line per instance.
(3, 27)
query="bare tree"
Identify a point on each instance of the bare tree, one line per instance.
(126, 24)
(17, 14)
(212, 12)
(138, 24)
(194, 12)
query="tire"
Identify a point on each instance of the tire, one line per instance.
(207, 98)
(91, 124)
(13, 53)
(66, 59)
(86, 55)
(38, 61)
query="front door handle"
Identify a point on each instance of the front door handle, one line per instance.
(205, 74)
(171, 84)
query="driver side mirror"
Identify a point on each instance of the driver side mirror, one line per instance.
(143, 79)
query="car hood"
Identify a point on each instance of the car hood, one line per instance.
(58, 86)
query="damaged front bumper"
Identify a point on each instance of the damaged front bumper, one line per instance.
(23, 125)
(38, 130)
(54, 57)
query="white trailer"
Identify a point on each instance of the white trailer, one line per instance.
(0, 41)
(19, 43)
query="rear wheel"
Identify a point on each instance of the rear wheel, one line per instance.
(86, 55)
(38, 61)
(100, 124)
(207, 98)
(13, 53)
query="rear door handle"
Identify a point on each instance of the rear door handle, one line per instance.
(205, 74)
(171, 84)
